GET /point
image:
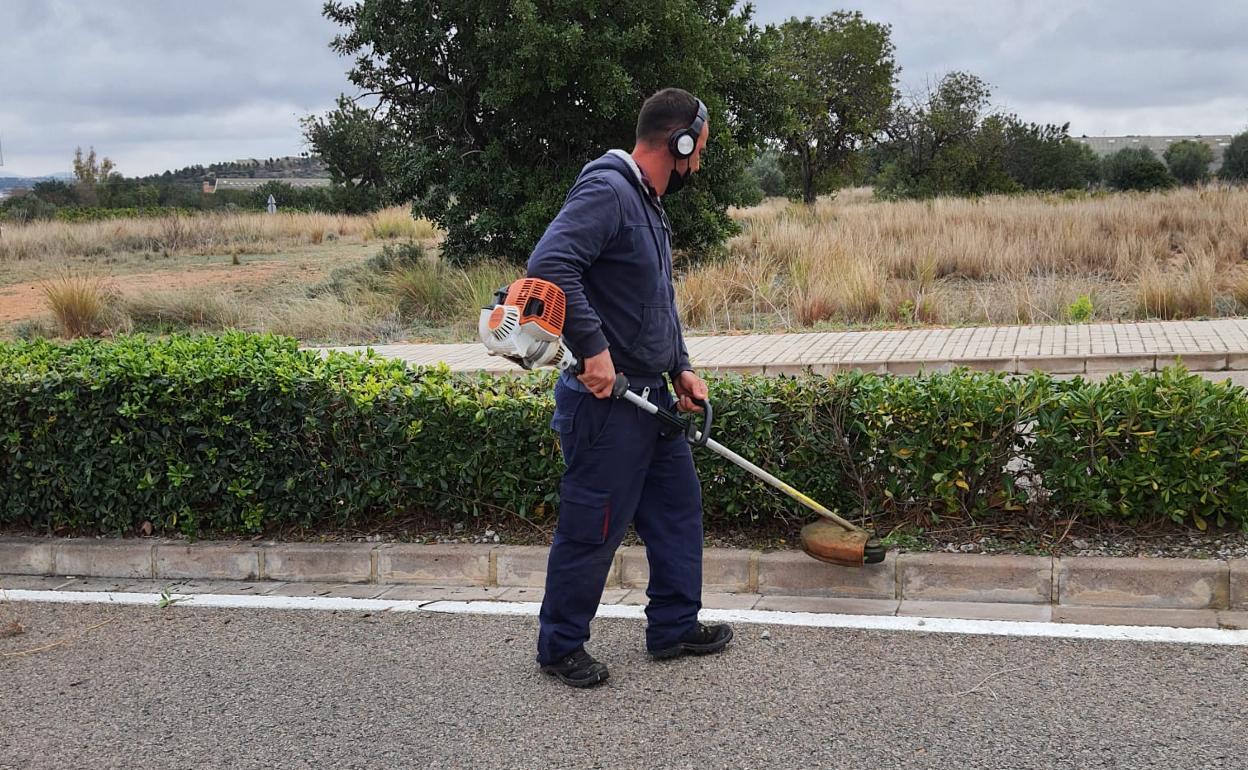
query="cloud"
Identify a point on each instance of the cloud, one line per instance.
(1110, 66)
(157, 84)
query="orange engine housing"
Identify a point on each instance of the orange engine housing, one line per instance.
(541, 302)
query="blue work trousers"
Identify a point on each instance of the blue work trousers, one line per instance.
(620, 471)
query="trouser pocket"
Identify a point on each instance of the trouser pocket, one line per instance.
(584, 513)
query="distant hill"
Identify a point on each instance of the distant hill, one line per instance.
(26, 182)
(289, 167)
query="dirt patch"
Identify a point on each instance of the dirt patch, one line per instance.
(21, 301)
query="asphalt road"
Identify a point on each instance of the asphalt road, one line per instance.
(199, 688)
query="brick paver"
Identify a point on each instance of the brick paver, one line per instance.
(1093, 348)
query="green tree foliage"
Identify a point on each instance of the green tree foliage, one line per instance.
(1235, 160)
(767, 173)
(495, 107)
(351, 143)
(947, 141)
(835, 83)
(1189, 161)
(26, 208)
(1044, 157)
(939, 144)
(56, 192)
(1136, 168)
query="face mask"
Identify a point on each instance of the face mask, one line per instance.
(676, 181)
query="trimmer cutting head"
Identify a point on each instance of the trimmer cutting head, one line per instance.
(827, 541)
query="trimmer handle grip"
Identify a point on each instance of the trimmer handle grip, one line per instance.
(691, 433)
(621, 380)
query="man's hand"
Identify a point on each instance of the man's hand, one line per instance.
(599, 374)
(688, 387)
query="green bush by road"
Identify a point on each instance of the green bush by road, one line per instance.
(245, 433)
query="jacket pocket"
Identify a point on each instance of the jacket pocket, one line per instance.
(653, 344)
(584, 513)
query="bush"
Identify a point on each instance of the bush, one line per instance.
(26, 208)
(1136, 168)
(238, 433)
(766, 171)
(82, 305)
(242, 433)
(1189, 161)
(1235, 160)
(96, 214)
(1146, 446)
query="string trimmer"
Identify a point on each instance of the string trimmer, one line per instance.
(524, 325)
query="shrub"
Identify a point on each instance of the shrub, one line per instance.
(1140, 446)
(1189, 161)
(1080, 311)
(1235, 160)
(766, 171)
(243, 433)
(26, 208)
(83, 306)
(1136, 168)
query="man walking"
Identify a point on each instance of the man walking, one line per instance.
(610, 251)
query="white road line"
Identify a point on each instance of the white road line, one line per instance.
(1214, 636)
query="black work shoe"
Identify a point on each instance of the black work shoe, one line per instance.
(578, 669)
(702, 640)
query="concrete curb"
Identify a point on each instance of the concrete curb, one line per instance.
(937, 579)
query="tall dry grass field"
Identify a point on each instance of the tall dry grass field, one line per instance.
(1002, 259)
(210, 233)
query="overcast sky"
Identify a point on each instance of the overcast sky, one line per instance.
(160, 84)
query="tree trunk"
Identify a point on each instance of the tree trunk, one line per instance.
(808, 179)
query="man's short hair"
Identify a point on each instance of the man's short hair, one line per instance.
(663, 113)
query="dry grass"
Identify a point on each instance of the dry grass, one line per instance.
(394, 223)
(1186, 292)
(433, 292)
(83, 306)
(851, 259)
(212, 233)
(193, 309)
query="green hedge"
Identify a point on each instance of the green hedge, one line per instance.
(243, 433)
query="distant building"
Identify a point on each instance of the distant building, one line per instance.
(252, 183)
(1105, 145)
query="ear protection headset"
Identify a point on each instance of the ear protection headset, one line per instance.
(682, 141)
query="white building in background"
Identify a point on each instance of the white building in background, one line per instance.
(1106, 145)
(250, 183)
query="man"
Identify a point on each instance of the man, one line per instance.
(610, 251)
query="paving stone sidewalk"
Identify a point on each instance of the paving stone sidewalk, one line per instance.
(1202, 346)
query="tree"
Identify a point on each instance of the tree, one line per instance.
(765, 168)
(836, 81)
(1235, 160)
(948, 141)
(351, 143)
(493, 108)
(89, 172)
(1136, 168)
(1044, 157)
(56, 193)
(1189, 161)
(940, 142)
